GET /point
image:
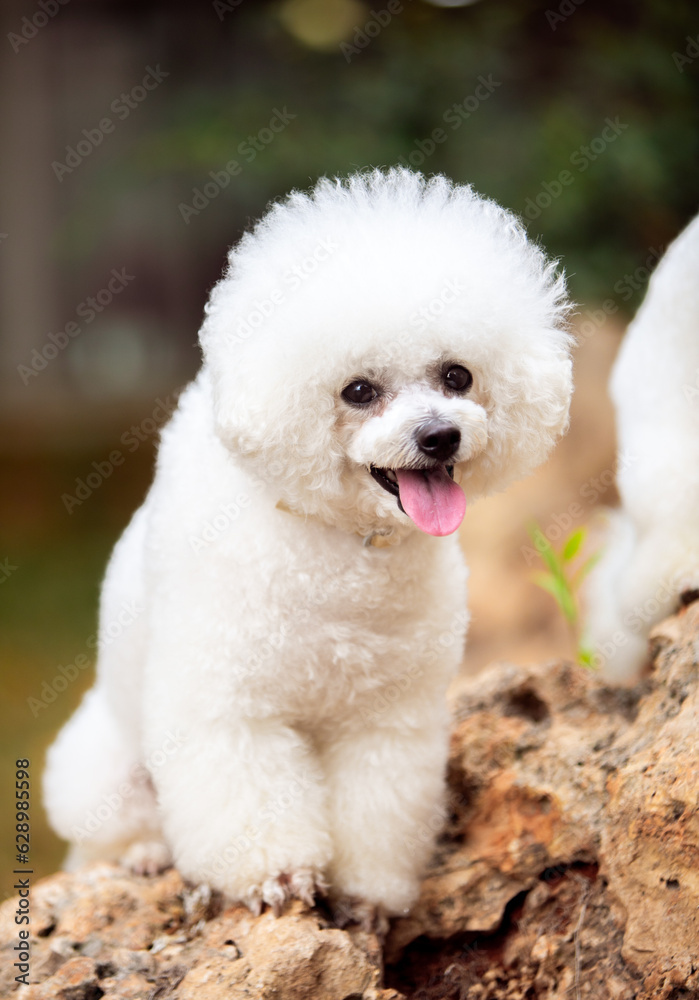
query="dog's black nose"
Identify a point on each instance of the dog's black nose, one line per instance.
(438, 439)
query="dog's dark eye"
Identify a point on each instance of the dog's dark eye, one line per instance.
(359, 393)
(458, 378)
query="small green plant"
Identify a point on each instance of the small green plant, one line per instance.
(562, 580)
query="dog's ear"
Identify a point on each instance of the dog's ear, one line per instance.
(531, 401)
(269, 410)
(542, 410)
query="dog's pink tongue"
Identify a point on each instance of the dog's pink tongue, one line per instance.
(432, 499)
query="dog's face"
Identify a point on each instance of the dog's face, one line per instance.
(383, 350)
(413, 430)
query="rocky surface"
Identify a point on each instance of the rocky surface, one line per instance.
(569, 869)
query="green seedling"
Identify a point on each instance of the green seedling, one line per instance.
(562, 579)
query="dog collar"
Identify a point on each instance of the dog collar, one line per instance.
(375, 540)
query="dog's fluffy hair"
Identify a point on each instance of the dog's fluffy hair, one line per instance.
(275, 714)
(651, 555)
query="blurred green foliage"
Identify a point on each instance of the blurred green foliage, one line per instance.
(563, 578)
(558, 80)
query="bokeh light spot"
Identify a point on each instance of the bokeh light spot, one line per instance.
(322, 24)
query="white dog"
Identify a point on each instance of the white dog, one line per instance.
(275, 717)
(652, 552)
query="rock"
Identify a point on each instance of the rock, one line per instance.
(104, 932)
(569, 868)
(650, 841)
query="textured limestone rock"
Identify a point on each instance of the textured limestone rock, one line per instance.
(571, 863)
(103, 932)
(569, 869)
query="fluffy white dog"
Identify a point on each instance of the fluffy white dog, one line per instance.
(652, 552)
(275, 716)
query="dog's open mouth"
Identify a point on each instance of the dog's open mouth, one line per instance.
(430, 497)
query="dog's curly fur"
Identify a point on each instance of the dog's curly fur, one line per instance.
(275, 714)
(650, 556)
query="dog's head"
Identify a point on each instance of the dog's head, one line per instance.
(384, 347)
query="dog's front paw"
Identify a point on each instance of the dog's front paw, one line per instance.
(304, 884)
(147, 857)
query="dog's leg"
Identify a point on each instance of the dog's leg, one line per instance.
(387, 792)
(637, 583)
(98, 795)
(243, 809)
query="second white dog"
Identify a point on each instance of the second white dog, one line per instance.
(651, 555)
(275, 717)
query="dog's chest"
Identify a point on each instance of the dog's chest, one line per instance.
(342, 624)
